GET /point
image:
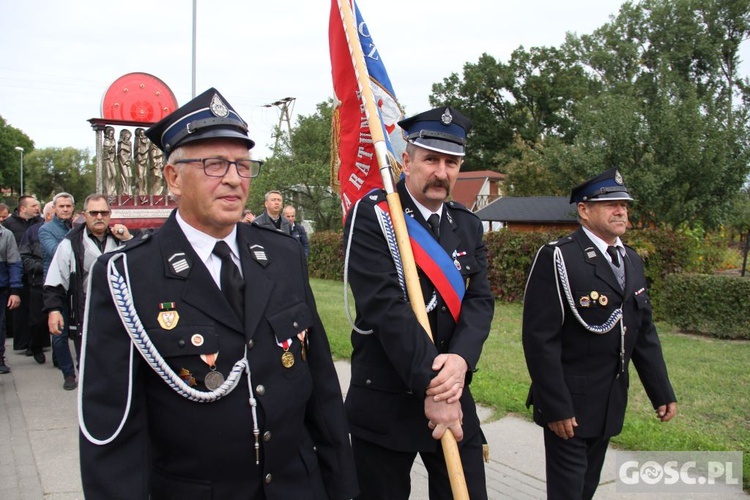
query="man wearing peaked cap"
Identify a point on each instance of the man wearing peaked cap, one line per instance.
(578, 352)
(406, 390)
(218, 381)
(606, 186)
(441, 129)
(207, 116)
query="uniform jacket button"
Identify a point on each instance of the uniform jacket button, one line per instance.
(181, 343)
(468, 268)
(267, 436)
(260, 390)
(250, 344)
(443, 308)
(295, 325)
(368, 382)
(268, 478)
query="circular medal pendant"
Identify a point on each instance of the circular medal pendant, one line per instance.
(287, 359)
(213, 380)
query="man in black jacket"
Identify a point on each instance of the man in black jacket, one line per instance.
(25, 216)
(406, 390)
(33, 271)
(298, 231)
(67, 276)
(586, 315)
(206, 370)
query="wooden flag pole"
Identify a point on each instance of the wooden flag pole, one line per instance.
(413, 288)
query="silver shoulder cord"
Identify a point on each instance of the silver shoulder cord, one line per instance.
(123, 300)
(386, 226)
(614, 318)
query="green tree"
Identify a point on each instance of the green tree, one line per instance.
(532, 96)
(10, 160)
(52, 170)
(653, 92)
(300, 169)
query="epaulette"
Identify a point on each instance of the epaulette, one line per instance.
(136, 241)
(375, 196)
(561, 241)
(458, 206)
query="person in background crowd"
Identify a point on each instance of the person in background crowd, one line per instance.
(247, 217)
(297, 230)
(239, 397)
(50, 236)
(586, 314)
(68, 273)
(33, 265)
(271, 216)
(25, 216)
(11, 271)
(4, 212)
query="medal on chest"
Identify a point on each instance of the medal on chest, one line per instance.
(213, 379)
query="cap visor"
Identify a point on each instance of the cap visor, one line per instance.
(617, 196)
(446, 147)
(217, 133)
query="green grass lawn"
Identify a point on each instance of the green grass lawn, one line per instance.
(711, 378)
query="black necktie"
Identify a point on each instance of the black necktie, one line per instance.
(616, 267)
(434, 222)
(232, 284)
(615, 255)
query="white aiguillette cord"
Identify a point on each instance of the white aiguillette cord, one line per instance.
(123, 300)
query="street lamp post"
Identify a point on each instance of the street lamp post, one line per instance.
(19, 148)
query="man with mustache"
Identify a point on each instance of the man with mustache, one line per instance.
(68, 273)
(586, 315)
(406, 391)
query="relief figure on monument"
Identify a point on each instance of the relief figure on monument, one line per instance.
(157, 165)
(109, 151)
(141, 161)
(125, 157)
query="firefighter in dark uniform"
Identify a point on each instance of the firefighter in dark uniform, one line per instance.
(405, 390)
(196, 382)
(586, 315)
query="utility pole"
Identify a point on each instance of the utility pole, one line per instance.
(286, 105)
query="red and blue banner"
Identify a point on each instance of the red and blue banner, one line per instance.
(355, 168)
(435, 262)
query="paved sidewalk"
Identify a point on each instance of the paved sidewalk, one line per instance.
(39, 444)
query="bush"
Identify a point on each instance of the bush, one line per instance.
(710, 304)
(326, 259)
(509, 258)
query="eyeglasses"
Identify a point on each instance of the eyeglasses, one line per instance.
(219, 167)
(96, 213)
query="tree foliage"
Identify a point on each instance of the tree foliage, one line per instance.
(52, 170)
(300, 169)
(10, 158)
(654, 92)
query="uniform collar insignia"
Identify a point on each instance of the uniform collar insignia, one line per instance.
(408, 211)
(590, 252)
(179, 264)
(259, 254)
(449, 217)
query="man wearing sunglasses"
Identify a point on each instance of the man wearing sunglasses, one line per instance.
(67, 276)
(206, 370)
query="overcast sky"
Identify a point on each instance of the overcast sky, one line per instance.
(59, 57)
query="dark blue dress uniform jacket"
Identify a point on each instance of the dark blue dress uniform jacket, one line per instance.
(171, 447)
(392, 368)
(575, 372)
